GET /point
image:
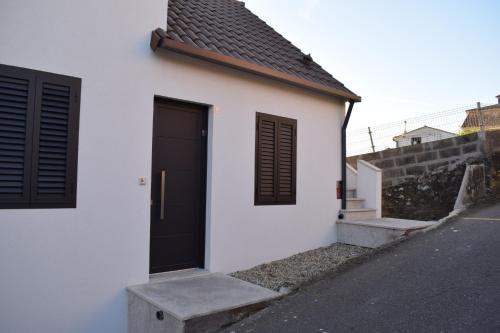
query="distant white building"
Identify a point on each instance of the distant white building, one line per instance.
(421, 135)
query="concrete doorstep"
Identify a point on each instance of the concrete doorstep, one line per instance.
(192, 301)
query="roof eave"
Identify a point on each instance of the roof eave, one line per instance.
(159, 39)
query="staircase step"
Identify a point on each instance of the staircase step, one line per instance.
(351, 194)
(376, 232)
(359, 214)
(355, 203)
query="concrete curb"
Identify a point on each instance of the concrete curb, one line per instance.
(452, 216)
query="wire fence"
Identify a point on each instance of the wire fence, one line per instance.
(425, 128)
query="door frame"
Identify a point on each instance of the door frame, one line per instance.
(203, 179)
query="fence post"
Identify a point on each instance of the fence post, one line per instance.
(480, 120)
(371, 139)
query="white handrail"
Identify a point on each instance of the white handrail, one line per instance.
(352, 176)
(369, 165)
(369, 186)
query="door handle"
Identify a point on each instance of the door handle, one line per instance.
(162, 194)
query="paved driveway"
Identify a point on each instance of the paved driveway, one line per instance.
(447, 280)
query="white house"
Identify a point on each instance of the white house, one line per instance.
(212, 142)
(421, 135)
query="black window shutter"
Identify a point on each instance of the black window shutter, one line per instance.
(17, 90)
(55, 141)
(275, 160)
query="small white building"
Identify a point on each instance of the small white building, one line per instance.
(421, 135)
(212, 142)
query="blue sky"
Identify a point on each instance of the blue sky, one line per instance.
(405, 58)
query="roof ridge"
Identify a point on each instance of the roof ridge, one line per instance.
(229, 28)
(287, 40)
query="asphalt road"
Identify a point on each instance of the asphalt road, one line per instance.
(446, 280)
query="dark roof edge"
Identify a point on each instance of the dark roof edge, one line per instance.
(159, 39)
(484, 108)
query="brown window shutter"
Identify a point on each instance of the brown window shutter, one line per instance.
(266, 146)
(17, 90)
(275, 160)
(287, 160)
(55, 141)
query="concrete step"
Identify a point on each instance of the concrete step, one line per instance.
(376, 232)
(355, 203)
(359, 214)
(192, 301)
(351, 194)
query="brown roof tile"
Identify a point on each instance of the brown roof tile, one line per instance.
(490, 115)
(227, 27)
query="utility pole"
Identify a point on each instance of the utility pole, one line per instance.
(371, 138)
(480, 120)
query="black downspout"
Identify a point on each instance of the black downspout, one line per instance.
(344, 153)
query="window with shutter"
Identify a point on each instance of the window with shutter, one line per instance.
(275, 160)
(39, 114)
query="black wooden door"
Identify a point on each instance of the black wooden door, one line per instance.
(178, 186)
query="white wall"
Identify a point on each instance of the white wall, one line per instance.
(243, 235)
(66, 270)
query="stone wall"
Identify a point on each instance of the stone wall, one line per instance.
(404, 164)
(423, 181)
(428, 197)
(493, 176)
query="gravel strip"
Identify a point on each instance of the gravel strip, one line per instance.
(290, 273)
